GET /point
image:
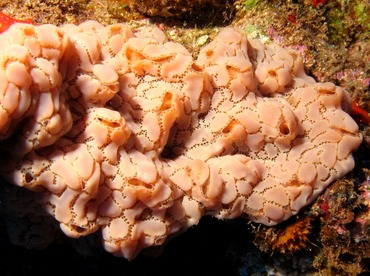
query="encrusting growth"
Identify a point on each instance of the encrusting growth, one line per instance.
(125, 132)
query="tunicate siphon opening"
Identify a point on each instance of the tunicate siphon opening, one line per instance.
(167, 101)
(110, 123)
(196, 67)
(272, 73)
(209, 53)
(159, 240)
(326, 92)
(137, 182)
(229, 127)
(284, 129)
(133, 55)
(232, 71)
(78, 229)
(294, 182)
(28, 177)
(112, 87)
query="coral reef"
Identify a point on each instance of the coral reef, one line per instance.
(293, 238)
(125, 132)
(344, 231)
(175, 8)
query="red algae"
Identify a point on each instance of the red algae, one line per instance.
(6, 21)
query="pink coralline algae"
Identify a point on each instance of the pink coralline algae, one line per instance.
(125, 132)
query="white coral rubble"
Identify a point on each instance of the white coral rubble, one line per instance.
(127, 133)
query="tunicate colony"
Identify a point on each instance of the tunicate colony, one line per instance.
(124, 131)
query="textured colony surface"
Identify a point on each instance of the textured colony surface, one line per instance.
(125, 132)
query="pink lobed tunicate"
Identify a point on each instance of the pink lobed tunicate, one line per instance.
(126, 132)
